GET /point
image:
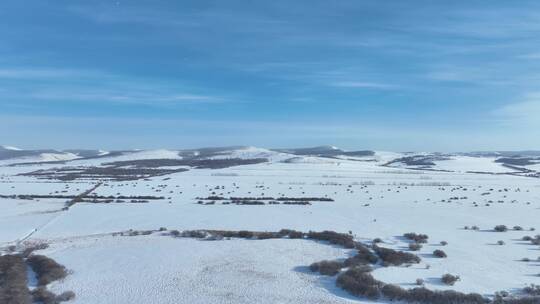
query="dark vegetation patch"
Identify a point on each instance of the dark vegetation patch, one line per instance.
(194, 163)
(416, 237)
(439, 253)
(359, 282)
(449, 279)
(13, 280)
(44, 296)
(500, 228)
(329, 268)
(211, 200)
(324, 151)
(394, 257)
(517, 161)
(415, 246)
(138, 169)
(533, 290)
(419, 160)
(82, 197)
(47, 270)
(111, 173)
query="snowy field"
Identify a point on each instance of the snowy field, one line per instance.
(370, 200)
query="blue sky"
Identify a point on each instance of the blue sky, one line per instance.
(387, 75)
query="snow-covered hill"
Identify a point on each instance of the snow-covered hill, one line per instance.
(149, 194)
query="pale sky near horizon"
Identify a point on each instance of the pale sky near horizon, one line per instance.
(385, 75)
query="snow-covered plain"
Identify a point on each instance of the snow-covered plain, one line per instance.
(370, 200)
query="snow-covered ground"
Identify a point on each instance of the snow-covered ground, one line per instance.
(370, 200)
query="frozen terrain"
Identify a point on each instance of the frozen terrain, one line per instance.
(373, 195)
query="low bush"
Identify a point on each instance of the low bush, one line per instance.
(415, 246)
(363, 256)
(198, 234)
(360, 283)
(42, 295)
(517, 300)
(533, 290)
(245, 234)
(13, 280)
(342, 239)
(267, 235)
(396, 258)
(47, 270)
(292, 234)
(449, 279)
(500, 228)
(418, 238)
(439, 253)
(329, 268)
(426, 296)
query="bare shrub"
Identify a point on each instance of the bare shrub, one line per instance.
(42, 295)
(500, 228)
(449, 279)
(426, 296)
(444, 243)
(418, 238)
(396, 258)
(419, 282)
(329, 268)
(363, 256)
(198, 234)
(293, 234)
(360, 283)
(13, 280)
(415, 246)
(245, 234)
(439, 253)
(342, 239)
(47, 270)
(500, 242)
(267, 235)
(533, 290)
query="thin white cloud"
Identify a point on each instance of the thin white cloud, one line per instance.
(56, 84)
(363, 85)
(34, 73)
(122, 96)
(526, 111)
